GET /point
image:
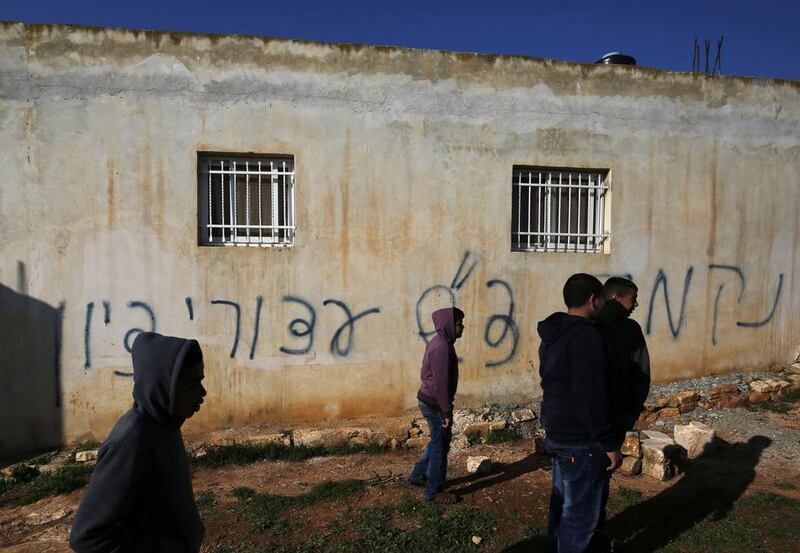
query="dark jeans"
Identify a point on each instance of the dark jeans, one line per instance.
(432, 465)
(580, 483)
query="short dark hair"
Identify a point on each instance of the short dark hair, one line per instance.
(458, 315)
(618, 286)
(579, 288)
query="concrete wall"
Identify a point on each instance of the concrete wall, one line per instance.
(404, 161)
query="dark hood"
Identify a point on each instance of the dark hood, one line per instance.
(157, 362)
(445, 324)
(556, 325)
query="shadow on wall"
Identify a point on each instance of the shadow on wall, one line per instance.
(30, 372)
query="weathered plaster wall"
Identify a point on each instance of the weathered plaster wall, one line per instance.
(404, 161)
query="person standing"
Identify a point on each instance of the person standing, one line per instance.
(439, 376)
(575, 414)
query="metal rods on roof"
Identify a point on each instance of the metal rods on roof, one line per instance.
(714, 70)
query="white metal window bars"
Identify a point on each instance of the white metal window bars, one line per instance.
(248, 201)
(558, 210)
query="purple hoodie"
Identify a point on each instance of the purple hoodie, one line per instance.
(439, 373)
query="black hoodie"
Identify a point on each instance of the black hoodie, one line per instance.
(574, 372)
(629, 365)
(140, 496)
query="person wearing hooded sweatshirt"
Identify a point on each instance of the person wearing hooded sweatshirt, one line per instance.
(629, 360)
(140, 496)
(575, 415)
(439, 376)
(629, 368)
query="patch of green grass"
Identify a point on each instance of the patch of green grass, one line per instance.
(623, 498)
(205, 500)
(433, 532)
(243, 492)
(264, 510)
(775, 406)
(474, 438)
(6, 485)
(792, 396)
(243, 454)
(722, 536)
(24, 473)
(766, 500)
(762, 521)
(508, 434)
(63, 480)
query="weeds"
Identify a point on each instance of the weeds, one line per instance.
(264, 510)
(623, 498)
(244, 454)
(205, 500)
(433, 531)
(508, 434)
(62, 480)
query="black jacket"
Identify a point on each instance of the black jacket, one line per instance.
(574, 372)
(140, 496)
(629, 366)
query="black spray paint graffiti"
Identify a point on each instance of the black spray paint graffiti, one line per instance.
(259, 303)
(661, 280)
(676, 327)
(300, 328)
(507, 324)
(501, 329)
(238, 312)
(742, 285)
(348, 326)
(508, 328)
(127, 339)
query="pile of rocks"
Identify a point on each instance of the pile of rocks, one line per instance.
(724, 396)
(654, 453)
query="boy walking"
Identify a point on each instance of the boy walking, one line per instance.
(140, 495)
(439, 376)
(579, 437)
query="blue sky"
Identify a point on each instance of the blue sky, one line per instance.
(761, 38)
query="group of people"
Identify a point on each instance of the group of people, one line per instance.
(595, 376)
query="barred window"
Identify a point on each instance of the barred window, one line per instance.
(245, 200)
(558, 210)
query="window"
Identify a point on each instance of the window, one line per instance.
(558, 210)
(245, 200)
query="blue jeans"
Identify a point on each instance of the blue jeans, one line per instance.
(432, 465)
(580, 481)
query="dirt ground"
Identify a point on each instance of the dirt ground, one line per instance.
(651, 515)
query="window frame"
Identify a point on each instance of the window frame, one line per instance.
(550, 235)
(280, 229)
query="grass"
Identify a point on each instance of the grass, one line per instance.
(376, 530)
(244, 454)
(783, 404)
(431, 531)
(63, 480)
(508, 434)
(205, 500)
(762, 521)
(623, 498)
(264, 511)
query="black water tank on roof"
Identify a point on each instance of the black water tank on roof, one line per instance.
(615, 58)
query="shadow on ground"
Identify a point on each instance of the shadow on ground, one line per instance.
(707, 489)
